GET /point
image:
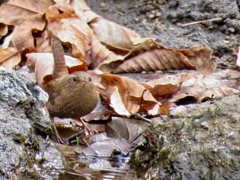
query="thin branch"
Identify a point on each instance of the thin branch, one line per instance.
(198, 22)
(141, 117)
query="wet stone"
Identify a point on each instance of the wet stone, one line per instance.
(21, 107)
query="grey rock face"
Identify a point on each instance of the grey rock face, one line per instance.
(23, 153)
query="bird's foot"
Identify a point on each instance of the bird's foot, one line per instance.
(62, 140)
(83, 124)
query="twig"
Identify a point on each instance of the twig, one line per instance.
(198, 22)
(141, 117)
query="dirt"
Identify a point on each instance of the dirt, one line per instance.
(162, 19)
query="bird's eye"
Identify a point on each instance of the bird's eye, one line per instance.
(74, 79)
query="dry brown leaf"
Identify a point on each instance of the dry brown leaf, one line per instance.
(126, 128)
(167, 85)
(3, 29)
(120, 92)
(190, 92)
(100, 53)
(215, 92)
(9, 57)
(59, 11)
(200, 58)
(201, 93)
(15, 12)
(82, 10)
(111, 34)
(42, 64)
(70, 29)
(23, 35)
(149, 56)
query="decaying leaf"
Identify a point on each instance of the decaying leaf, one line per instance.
(100, 112)
(100, 53)
(42, 64)
(3, 29)
(167, 85)
(15, 12)
(70, 29)
(30, 27)
(149, 56)
(111, 34)
(200, 58)
(122, 92)
(129, 129)
(201, 94)
(9, 57)
(215, 92)
(59, 11)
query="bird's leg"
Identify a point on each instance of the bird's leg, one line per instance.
(85, 126)
(59, 138)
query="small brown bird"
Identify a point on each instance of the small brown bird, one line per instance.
(70, 95)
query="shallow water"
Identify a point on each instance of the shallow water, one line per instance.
(91, 167)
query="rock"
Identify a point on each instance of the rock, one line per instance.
(23, 152)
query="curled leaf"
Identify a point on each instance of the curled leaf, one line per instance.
(216, 92)
(125, 95)
(111, 33)
(3, 29)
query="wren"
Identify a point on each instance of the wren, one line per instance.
(70, 95)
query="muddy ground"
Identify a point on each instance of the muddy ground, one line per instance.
(162, 19)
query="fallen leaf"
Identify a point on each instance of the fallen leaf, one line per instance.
(149, 56)
(9, 57)
(129, 129)
(99, 53)
(126, 95)
(111, 34)
(70, 29)
(216, 92)
(42, 64)
(59, 11)
(30, 27)
(14, 12)
(3, 29)
(200, 58)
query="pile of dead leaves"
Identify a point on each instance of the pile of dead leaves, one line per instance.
(106, 48)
